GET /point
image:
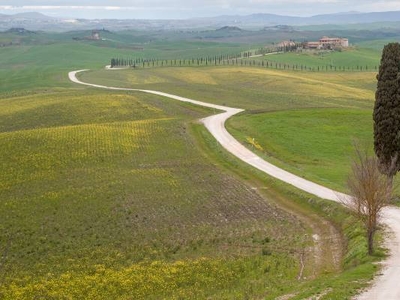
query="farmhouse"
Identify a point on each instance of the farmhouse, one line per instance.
(313, 45)
(328, 43)
(335, 42)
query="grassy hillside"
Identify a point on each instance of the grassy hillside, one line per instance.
(250, 88)
(315, 143)
(122, 195)
(109, 191)
(288, 113)
(40, 66)
(110, 195)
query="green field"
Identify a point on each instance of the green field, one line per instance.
(315, 143)
(253, 89)
(108, 195)
(305, 122)
(289, 113)
(115, 192)
(37, 66)
(94, 207)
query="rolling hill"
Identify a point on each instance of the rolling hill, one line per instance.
(38, 21)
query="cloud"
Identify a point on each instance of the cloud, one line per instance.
(49, 7)
(158, 3)
(193, 8)
(381, 6)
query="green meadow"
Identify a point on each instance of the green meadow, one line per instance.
(315, 143)
(251, 88)
(33, 66)
(113, 194)
(121, 195)
(306, 122)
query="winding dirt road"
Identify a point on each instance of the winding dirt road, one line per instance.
(387, 285)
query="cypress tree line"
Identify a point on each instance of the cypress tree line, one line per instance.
(225, 59)
(387, 111)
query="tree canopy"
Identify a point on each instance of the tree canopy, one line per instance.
(387, 111)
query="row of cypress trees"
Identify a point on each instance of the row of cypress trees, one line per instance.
(229, 60)
(123, 62)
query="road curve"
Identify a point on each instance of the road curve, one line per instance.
(386, 286)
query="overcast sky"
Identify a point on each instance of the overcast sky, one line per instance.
(183, 9)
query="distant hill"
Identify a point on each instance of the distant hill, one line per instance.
(254, 20)
(38, 21)
(29, 21)
(20, 31)
(27, 16)
(229, 28)
(271, 19)
(353, 18)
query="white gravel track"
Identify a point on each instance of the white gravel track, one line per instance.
(387, 285)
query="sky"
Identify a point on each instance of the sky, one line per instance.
(184, 9)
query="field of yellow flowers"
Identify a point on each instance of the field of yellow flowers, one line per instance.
(107, 195)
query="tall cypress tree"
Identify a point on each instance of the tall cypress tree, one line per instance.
(387, 111)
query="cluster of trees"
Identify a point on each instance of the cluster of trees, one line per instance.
(371, 180)
(122, 62)
(290, 47)
(261, 51)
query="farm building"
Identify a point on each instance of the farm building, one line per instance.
(313, 45)
(335, 42)
(328, 43)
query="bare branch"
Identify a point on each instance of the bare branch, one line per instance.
(370, 192)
